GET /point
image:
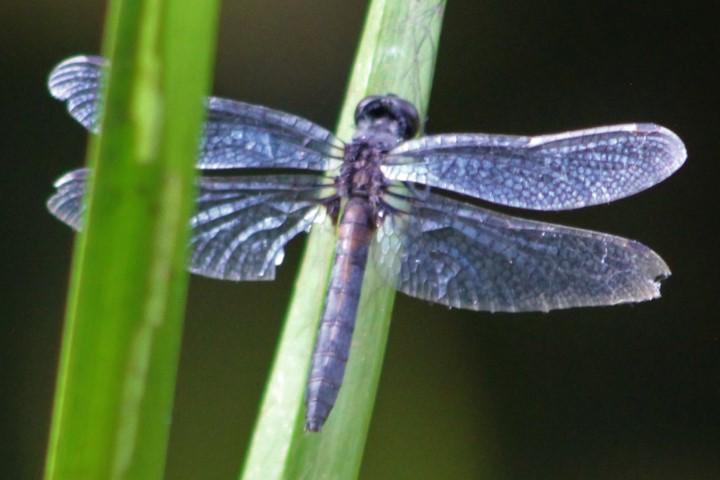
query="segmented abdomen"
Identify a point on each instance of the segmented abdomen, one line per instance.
(332, 346)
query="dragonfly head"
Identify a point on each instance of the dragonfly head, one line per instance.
(388, 113)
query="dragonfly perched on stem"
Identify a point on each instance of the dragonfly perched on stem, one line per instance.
(386, 189)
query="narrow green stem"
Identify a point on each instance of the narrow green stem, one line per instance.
(396, 55)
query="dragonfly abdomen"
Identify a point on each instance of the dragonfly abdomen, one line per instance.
(332, 346)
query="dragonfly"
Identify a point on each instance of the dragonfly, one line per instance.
(406, 204)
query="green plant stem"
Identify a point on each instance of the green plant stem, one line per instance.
(118, 364)
(396, 55)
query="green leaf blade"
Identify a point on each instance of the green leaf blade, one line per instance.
(396, 55)
(124, 319)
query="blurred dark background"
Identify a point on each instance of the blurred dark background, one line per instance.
(607, 393)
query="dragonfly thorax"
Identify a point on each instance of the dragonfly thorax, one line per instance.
(360, 174)
(382, 121)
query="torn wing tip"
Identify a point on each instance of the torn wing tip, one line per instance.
(655, 276)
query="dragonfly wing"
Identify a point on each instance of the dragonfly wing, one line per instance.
(241, 224)
(67, 202)
(241, 135)
(467, 257)
(547, 172)
(77, 81)
(236, 134)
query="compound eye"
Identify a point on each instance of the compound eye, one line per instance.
(393, 107)
(407, 116)
(369, 107)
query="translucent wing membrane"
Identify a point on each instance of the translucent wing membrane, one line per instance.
(434, 247)
(463, 256)
(243, 223)
(236, 135)
(548, 172)
(67, 202)
(241, 226)
(240, 135)
(77, 81)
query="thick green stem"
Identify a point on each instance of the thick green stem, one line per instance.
(124, 320)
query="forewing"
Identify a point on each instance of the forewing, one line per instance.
(236, 134)
(241, 135)
(463, 256)
(241, 224)
(547, 172)
(77, 81)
